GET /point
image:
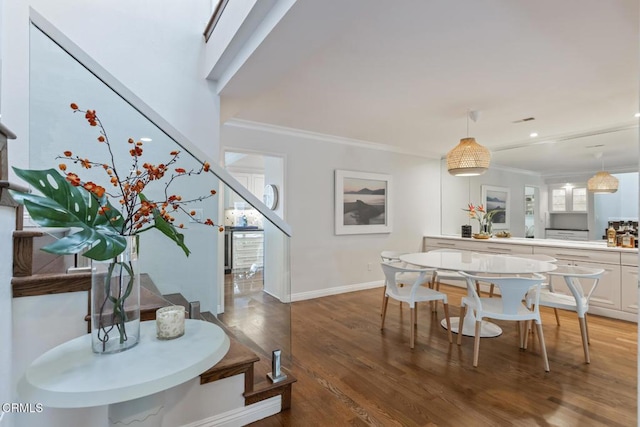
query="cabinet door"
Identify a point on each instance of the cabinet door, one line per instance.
(245, 180)
(629, 288)
(558, 202)
(257, 186)
(579, 199)
(565, 199)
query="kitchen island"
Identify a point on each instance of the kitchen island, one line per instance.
(617, 293)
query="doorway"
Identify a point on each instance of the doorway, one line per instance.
(251, 242)
(531, 203)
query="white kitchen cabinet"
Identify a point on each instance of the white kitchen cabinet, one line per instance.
(629, 288)
(247, 251)
(629, 279)
(253, 182)
(568, 199)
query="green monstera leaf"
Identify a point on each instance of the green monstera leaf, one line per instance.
(63, 205)
(167, 228)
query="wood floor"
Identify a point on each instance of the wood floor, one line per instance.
(352, 374)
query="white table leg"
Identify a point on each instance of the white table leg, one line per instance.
(146, 411)
(487, 330)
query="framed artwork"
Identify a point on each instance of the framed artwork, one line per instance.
(362, 202)
(497, 198)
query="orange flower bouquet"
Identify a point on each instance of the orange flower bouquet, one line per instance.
(68, 201)
(109, 232)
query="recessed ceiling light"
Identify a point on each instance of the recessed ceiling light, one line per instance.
(533, 134)
(146, 139)
(636, 115)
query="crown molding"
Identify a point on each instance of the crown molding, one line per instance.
(322, 137)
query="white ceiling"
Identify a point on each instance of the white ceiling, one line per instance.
(405, 73)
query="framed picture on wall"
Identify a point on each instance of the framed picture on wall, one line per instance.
(497, 198)
(362, 202)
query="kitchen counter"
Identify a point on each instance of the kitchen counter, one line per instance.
(589, 244)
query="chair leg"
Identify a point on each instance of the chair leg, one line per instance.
(415, 315)
(385, 301)
(463, 311)
(543, 347)
(520, 334)
(476, 343)
(525, 335)
(384, 294)
(491, 290)
(555, 311)
(478, 287)
(585, 339)
(413, 327)
(446, 316)
(586, 328)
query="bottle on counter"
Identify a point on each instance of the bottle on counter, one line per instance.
(611, 236)
(628, 240)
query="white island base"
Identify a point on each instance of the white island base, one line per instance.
(487, 329)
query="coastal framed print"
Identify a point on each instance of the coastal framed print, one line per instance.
(362, 202)
(497, 198)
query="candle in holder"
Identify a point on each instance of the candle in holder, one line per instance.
(170, 322)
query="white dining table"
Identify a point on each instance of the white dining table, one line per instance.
(477, 263)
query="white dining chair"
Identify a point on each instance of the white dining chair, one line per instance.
(510, 306)
(394, 257)
(412, 294)
(577, 279)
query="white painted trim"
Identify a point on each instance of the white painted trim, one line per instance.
(109, 80)
(301, 296)
(242, 416)
(322, 137)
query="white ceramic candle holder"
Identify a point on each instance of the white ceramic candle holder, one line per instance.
(170, 322)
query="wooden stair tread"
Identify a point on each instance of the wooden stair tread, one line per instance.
(149, 303)
(57, 283)
(177, 299)
(239, 359)
(31, 232)
(50, 283)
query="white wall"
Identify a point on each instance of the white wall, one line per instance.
(154, 48)
(320, 260)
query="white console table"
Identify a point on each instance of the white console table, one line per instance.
(131, 382)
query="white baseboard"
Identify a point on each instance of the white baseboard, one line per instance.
(336, 290)
(242, 416)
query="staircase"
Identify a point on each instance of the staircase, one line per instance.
(38, 273)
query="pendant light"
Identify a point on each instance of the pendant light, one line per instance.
(602, 182)
(468, 158)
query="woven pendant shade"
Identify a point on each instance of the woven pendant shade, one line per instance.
(468, 158)
(602, 182)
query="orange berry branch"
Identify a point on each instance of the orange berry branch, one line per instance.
(139, 213)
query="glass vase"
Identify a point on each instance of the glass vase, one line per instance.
(115, 301)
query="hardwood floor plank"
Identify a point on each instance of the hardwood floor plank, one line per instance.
(353, 374)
